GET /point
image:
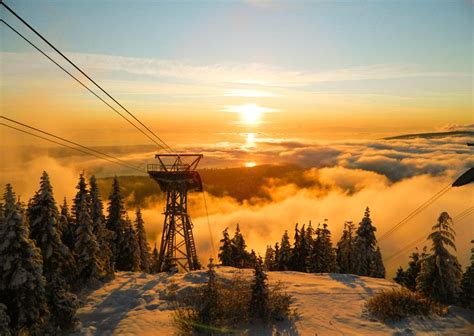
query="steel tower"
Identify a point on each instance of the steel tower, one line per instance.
(176, 176)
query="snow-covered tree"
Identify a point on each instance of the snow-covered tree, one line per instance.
(103, 235)
(408, 278)
(22, 285)
(467, 284)
(294, 263)
(259, 307)
(209, 297)
(63, 305)
(115, 218)
(225, 249)
(43, 217)
(240, 255)
(143, 246)
(276, 258)
(344, 251)
(440, 274)
(366, 258)
(87, 251)
(269, 260)
(284, 253)
(128, 251)
(154, 261)
(323, 256)
(67, 226)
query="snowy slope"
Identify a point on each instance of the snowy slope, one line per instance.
(328, 304)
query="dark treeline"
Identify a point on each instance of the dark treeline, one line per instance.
(436, 273)
(312, 250)
(47, 255)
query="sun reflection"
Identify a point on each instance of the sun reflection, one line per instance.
(250, 164)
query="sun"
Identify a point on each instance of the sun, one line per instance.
(250, 114)
(250, 164)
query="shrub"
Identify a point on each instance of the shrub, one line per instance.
(399, 303)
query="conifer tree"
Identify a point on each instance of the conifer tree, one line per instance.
(259, 306)
(276, 258)
(408, 278)
(323, 256)
(85, 244)
(467, 284)
(154, 261)
(400, 276)
(22, 286)
(115, 219)
(440, 274)
(225, 249)
(67, 226)
(103, 235)
(128, 251)
(367, 261)
(294, 263)
(269, 261)
(43, 217)
(251, 260)
(240, 255)
(208, 311)
(143, 246)
(344, 251)
(284, 253)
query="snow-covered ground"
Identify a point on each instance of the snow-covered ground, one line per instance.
(328, 304)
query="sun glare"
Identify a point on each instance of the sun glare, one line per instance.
(250, 139)
(250, 164)
(249, 113)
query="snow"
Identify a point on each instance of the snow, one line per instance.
(328, 304)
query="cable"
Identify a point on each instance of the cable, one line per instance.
(415, 212)
(69, 141)
(74, 148)
(458, 218)
(165, 146)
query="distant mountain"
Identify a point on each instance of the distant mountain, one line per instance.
(433, 135)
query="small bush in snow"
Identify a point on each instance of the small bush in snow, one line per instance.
(399, 303)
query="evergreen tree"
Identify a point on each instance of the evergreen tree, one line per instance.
(102, 234)
(63, 305)
(115, 219)
(67, 227)
(251, 260)
(43, 216)
(408, 278)
(276, 259)
(22, 286)
(154, 260)
(85, 245)
(367, 261)
(143, 246)
(128, 251)
(269, 261)
(225, 249)
(284, 253)
(240, 255)
(294, 263)
(259, 307)
(344, 251)
(323, 256)
(400, 276)
(208, 311)
(440, 274)
(467, 284)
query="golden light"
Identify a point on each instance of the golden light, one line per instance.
(250, 139)
(249, 113)
(250, 164)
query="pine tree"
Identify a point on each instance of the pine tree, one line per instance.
(103, 235)
(22, 286)
(63, 305)
(323, 256)
(128, 251)
(225, 249)
(259, 306)
(467, 284)
(408, 278)
(85, 245)
(209, 298)
(367, 261)
(269, 261)
(344, 251)
(240, 255)
(67, 226)
(154, 261)
(400, 276)
(440, 274)
(276, 259)
(294, 263)
(143, 246)
(251, 260)
(115, 219)
(284, 253)
(43, 216)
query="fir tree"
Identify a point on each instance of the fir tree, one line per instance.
(251, 260)
(22, 286)
(269, 261)
(85, 245)
(208, 311)
(115, 219)
(67, 226)
(294, 263)
(143, 246)
(103, 235)
(440, 274)
(240, 255)
(43, 218)
(323, 257)
(225, 249)
(367, 259)
(284, 253)
(276, 259)
(400, 276)
(259, 307)
(154, 261)
(344, 251)
(63, 305)
(467, 284)
(408, 278)
(128, 251)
